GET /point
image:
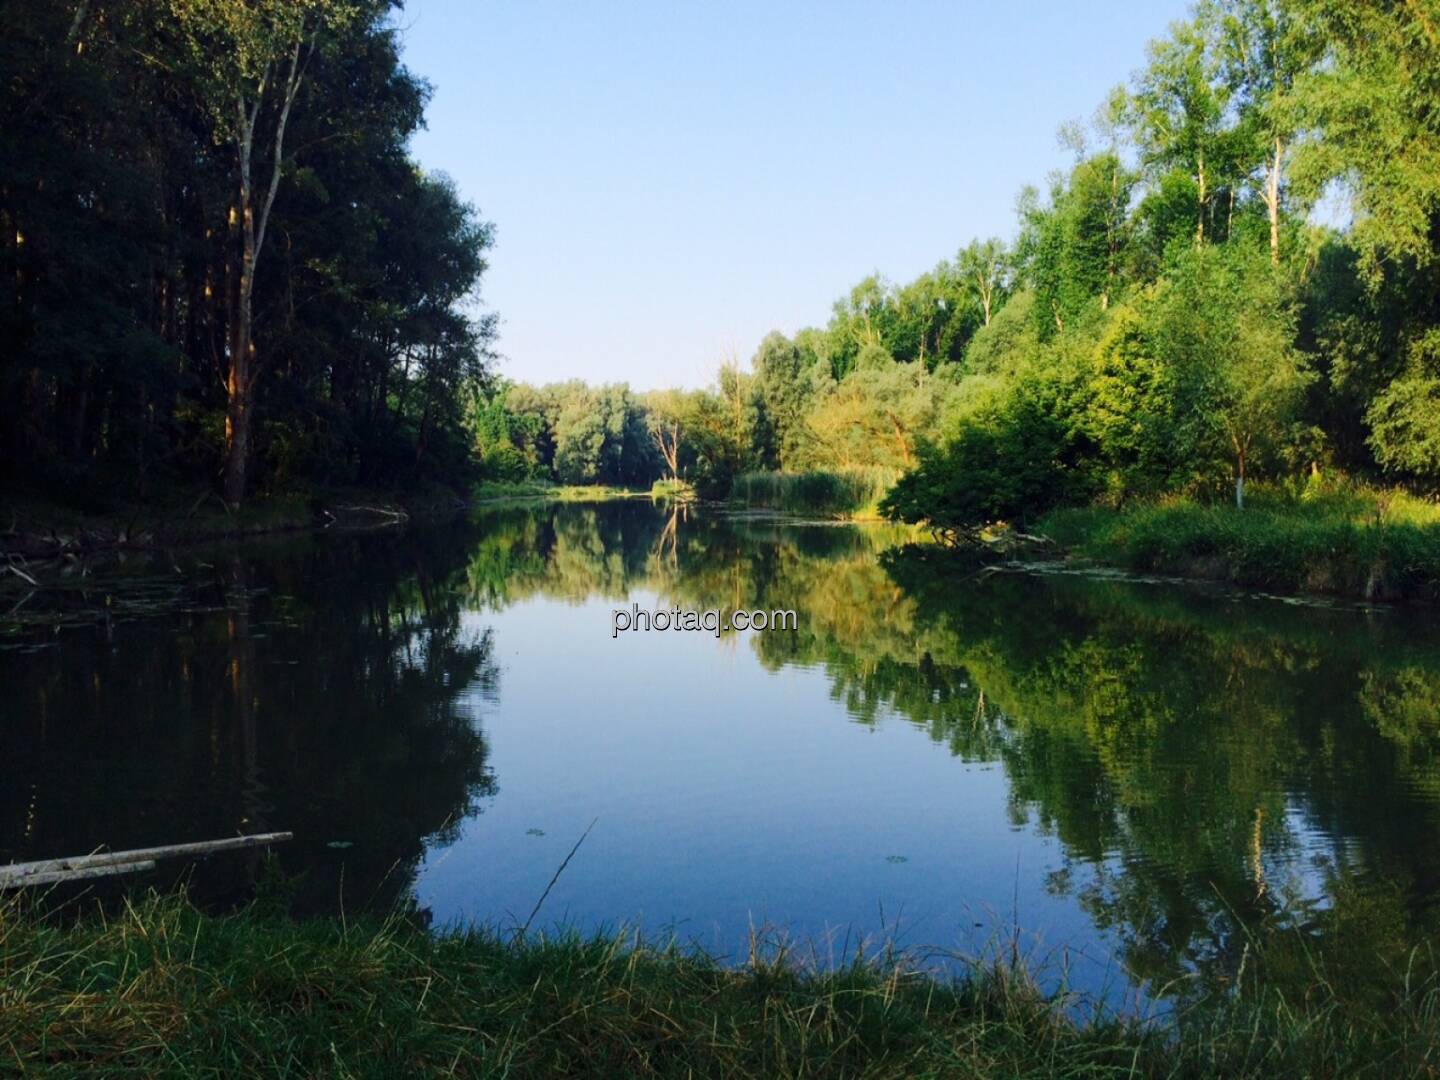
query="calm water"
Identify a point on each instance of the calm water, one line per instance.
(1131, 779)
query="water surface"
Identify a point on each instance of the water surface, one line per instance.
(1129, 781)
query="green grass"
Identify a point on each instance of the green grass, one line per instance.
(160, 989)
(677, 490)
(1341, 539)
(544, 489)
(850, 493)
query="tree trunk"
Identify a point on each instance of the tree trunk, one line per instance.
(1272, 204)
(252, 221)
(238, 379)
(1200, 217)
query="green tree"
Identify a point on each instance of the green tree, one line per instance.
(668, 417)
(1265, 49)
(983, 268)
(1225, 320)
(247, 61)
(1182, 113)
(783, 387)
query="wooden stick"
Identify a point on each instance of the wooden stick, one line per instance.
(55, 877)
(23, 872)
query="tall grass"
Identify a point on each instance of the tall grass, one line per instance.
(854, 493)
(163, 990)
(1343, 539)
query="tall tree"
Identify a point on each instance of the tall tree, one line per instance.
(247, 61)
(1264, 49)
(1182, 111)
(667, 415)
(983, 267)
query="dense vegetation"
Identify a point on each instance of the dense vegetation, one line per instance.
(1172, 316)
(229, 271)
(226, 268)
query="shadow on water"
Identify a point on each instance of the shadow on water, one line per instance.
(326, 687)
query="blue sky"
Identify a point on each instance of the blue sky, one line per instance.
(670, 181)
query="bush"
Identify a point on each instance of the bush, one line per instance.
(1011, 466)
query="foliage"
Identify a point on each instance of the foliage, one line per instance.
(1002, 465)
(1372, 544)
(123, 218)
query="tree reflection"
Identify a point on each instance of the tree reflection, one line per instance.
(1222, 775)
(334, 695)
(1226, 779)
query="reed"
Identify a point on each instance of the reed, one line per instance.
(850, 493)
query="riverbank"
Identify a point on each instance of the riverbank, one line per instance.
(1353, 542)
(35, 528)
(160, 989)
(490, 491)
(845, 494)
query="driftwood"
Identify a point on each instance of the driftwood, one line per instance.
(80, 867)
(55, 877)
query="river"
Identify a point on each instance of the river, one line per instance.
(1128, 784)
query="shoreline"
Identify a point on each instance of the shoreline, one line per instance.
(1284, 550)
(166, 988)
(42, 531)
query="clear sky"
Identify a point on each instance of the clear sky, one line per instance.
(670, 181)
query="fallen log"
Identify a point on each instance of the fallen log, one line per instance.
(45, 871)
(57, 876)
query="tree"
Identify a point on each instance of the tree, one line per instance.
(1404, 418)
(1009, 463)
(667, 415)
(1181, 112)
(876, 415)
(1226, 322)
(1264, 49)
(1370, 105)
(247, 60)
(1072, 249)
(1369, 109)
(1132, 411)
(783, 387)
(983, 268)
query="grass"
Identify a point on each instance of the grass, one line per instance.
(1341, 538)
(491, 490)
(160, 989)
(676, 490)
(849, 493)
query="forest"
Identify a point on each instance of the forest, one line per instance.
(231, 275)
(1235, 280)
(227, 271)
